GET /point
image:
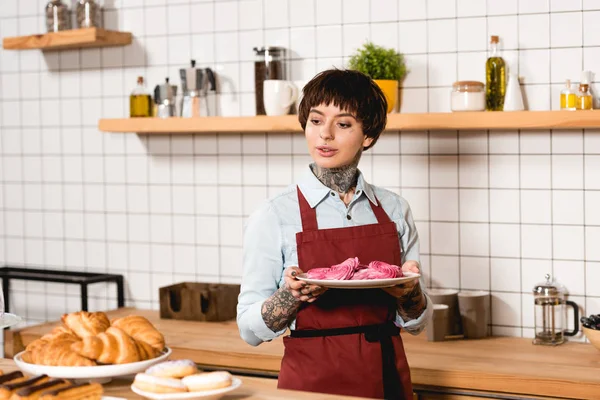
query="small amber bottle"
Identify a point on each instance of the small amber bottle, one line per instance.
(140, 101)
(584, 97)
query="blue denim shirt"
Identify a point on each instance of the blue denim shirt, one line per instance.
(270, 244)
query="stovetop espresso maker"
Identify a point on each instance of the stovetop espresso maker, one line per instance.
(550, 313)
(197, 85)
(164, 98)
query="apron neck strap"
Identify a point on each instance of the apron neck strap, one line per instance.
(379, 211)
(309, 214)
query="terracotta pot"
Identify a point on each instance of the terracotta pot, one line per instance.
(390, 90)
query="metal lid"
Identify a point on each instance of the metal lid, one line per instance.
(261, 51)
(549, 287)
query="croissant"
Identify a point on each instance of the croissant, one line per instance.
(142, 330)
(85, 324)
(113, 346)
(55, 352)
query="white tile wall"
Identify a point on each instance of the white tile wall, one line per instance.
(495, 210)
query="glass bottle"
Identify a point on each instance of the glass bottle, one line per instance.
(57, 16)
(584, 97)
(88, 14)
(568, 97)
(495, 74)
(140, 101)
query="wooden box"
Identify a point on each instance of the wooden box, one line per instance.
(193, 301)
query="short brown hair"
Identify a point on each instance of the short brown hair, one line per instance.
(351, 91)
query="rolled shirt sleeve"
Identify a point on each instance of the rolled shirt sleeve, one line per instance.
(261, 275)
(409, 240)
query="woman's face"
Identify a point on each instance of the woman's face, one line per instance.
(334, 136)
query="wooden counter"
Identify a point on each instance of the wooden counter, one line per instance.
(500, 364)
(251, 389)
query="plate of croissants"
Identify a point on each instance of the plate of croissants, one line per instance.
(181, 380)
(89, 346)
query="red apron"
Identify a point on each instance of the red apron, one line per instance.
(346, 342)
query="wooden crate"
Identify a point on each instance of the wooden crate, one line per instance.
(194, 301)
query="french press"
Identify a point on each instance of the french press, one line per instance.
(550, 313)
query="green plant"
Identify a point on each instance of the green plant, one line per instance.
(378, 62)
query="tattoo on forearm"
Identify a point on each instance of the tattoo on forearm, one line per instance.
(279, 309)
(412, 305)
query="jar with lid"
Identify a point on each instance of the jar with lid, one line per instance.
(57, 16)
(88, 14)
(550, 313)
(269, 64)
(468, 96)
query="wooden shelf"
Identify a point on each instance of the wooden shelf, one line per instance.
(406, 122)
(70, 39)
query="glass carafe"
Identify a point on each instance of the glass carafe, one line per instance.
(269, 64)
(550, 313)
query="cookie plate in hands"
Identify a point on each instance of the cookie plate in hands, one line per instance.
(204, 395)
(360, 284)
(95, 373)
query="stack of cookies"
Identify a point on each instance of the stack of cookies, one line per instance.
(180, 376)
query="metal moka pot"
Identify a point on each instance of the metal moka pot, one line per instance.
(164, 98)
(195, 84)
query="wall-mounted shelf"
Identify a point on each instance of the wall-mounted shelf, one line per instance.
(407, 122)
(70, 39)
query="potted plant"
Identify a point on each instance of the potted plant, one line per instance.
(385, 66)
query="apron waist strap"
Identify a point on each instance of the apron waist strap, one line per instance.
(373, 333)
(381, 333)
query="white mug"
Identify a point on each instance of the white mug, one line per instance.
(278, 96)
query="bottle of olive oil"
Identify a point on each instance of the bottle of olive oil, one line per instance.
(495, 77)
(140, 101)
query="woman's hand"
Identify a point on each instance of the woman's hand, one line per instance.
(302, 291)
(407, 288)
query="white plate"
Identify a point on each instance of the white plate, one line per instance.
(361, 284)
(8, 319)
(89, 373)
(204, 395)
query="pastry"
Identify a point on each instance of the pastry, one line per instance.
(55, 352)
(11, 376)
(207, 381)
(85, 324)
(33, 392)
(141, 329)
(78, 391)
(173, 369)
(156, 384)
(111, 347)
(7, 389)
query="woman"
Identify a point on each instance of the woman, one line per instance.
(342, 341)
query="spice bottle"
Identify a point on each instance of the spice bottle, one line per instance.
(568, 97)
(495, 74)
(57, 16)
(584, 97)
(88, 14)
(140, 101)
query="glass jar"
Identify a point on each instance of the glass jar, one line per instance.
(269, 64)
(550, 313)
(584, 97)
(57, 16)
(88, 14)
(467, 96)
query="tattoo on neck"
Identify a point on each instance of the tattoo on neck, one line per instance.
(279, 309)
(340, 179)
(412, 305)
